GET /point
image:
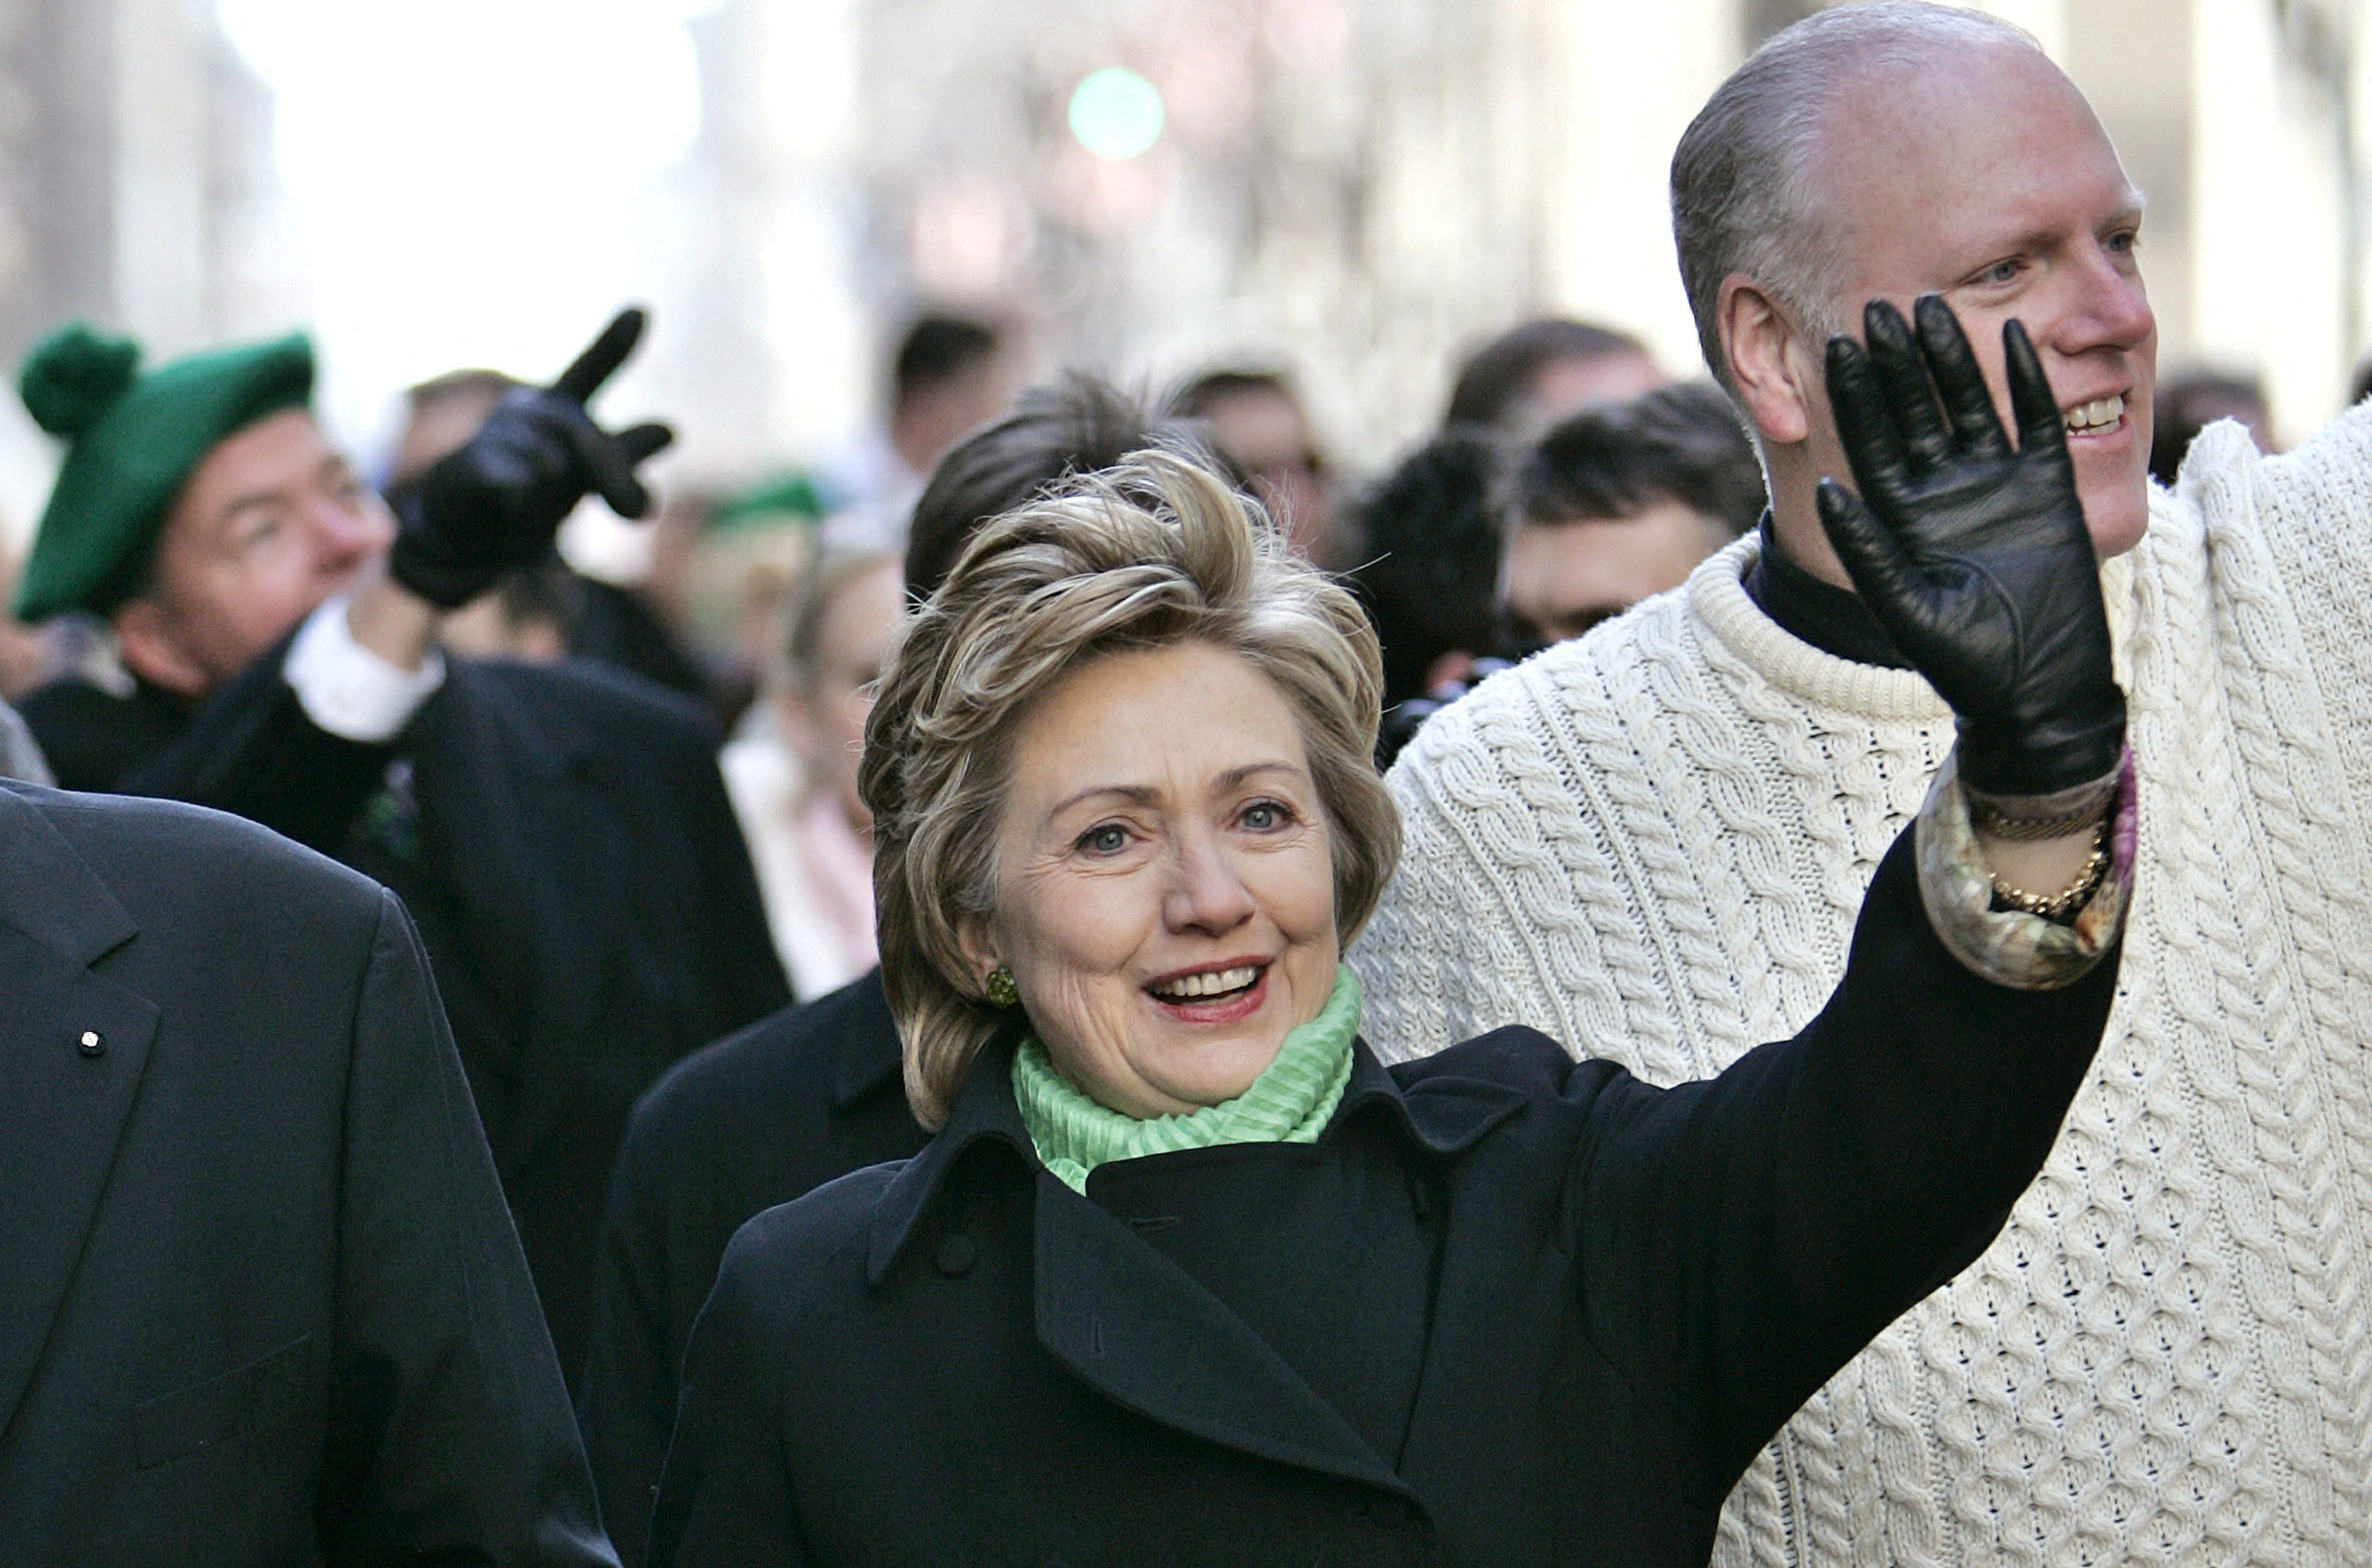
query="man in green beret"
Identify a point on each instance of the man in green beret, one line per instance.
(560, 832)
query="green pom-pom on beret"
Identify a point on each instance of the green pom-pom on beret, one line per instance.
(76, 375)
(132, 441)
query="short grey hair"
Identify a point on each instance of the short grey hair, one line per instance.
(1156, 552)
(1743, 198)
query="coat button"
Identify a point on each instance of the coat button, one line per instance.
(955, 1256)
(92, 1044)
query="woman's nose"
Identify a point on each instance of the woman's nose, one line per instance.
(1205, 894)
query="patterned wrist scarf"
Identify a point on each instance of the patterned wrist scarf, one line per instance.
(1289, 1103)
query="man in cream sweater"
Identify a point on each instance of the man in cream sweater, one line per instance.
(1651, 842)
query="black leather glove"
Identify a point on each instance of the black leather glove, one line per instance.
(1974, 557)
(494, 506)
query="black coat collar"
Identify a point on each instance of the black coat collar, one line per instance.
(1128, 1322)
(1441, 1111)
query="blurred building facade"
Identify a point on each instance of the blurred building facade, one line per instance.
(135, 187)
(1358, 188)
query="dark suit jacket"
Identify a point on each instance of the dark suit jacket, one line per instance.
(564, 840)
(781, 1108)
(1509, 1309)
(259, 1299)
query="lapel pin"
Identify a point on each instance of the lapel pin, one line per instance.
(91, 1044)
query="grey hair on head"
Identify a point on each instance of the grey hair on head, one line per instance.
(1742, 195)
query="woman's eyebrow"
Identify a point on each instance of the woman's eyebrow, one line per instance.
(1133, 795)
(1146, 794)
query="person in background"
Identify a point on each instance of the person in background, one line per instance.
(1620, 501)
(1430, 582)
(950, 374)
(441, 414)
(559, 831)
(815, 1092)
(794, 787)
(2189, 403)
(1534, 374)
(1256, 418)
(532, 614)
(1652, 838)
(261, 1299)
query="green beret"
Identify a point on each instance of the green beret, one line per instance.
(789, 497)
(132, 441)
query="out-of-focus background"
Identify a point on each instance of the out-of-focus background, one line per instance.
(1354, 189)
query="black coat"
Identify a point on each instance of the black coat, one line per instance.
(563, 837)
(1508, 1310)
(259, 1299)
(771, 1113)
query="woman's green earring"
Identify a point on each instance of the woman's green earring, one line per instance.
(1003, 993)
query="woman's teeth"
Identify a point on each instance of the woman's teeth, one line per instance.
(1211, 984)
(2098, 415)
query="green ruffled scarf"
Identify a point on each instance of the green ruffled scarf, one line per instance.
(1290, 1102)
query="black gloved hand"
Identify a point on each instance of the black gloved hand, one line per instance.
(1974, 557)
(495, 504)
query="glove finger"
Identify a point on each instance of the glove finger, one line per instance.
(2042, 427)
(1882, 574)
(1894, 355)
(607, 468)
(643, 442)
(602, 357)
(1865, 426)
(1961, 379)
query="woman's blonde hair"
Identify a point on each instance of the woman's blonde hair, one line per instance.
(1152, 553)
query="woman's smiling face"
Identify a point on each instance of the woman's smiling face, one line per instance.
(1165, 885)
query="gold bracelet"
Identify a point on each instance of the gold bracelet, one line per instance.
(1989, 818)
(2058, 906)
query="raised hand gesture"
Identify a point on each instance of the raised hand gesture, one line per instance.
(494, 506)
(1975, 556)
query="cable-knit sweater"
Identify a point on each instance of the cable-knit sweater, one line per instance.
(1652, 842)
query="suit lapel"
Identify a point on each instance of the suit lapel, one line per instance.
(67, 1100)
(1139, 1329)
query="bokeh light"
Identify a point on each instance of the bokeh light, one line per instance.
(1116, 113)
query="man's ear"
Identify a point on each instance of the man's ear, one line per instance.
(1768, 361)
(153, 649)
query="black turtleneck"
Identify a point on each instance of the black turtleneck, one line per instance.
(1830, 619)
